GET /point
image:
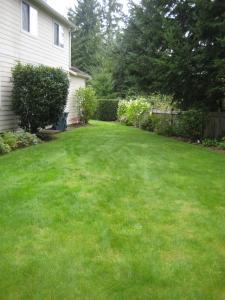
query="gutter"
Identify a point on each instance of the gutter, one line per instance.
(87, 77)
(42, 4)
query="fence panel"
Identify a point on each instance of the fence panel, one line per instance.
(214, 125)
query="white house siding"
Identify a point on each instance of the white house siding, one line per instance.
(16, 45)
(75, 84)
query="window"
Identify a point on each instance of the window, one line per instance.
(29, 19)
(58, 35)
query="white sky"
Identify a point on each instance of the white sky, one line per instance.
(62, 6)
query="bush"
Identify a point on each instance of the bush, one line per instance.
(86, 99)
(107, 110)
(214, 143)
(136, 109)
(190, 124)
(10, 139)
(121, 111)
(147, 122)
(210, 143)
(26, 139)
(163, 126)
(39, 95)
(4, 148)
(131, 112)
(161, 102)
(221, 144)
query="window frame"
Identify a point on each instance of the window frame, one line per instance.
(30, 33)
(58, 38)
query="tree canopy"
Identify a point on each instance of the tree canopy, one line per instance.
(86, 38)
(173, 47)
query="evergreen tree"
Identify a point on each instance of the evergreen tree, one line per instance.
(102, 79)
(112, 18)
(86, 38)
(175, 47)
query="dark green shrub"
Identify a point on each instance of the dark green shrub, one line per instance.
(39, 95)
(107, 110)
(162, 125)
(221, 144)
(190, 125)
(86, 99)
(214, 143)
(147, 122)
(210, 143)
(4, 148)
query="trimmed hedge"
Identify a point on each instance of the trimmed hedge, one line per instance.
(39, 95)
(107, 110)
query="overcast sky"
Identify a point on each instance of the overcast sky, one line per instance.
(62, 6)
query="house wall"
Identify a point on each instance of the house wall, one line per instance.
(16, 45)
(72, 107)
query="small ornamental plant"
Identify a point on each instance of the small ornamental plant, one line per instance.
(86, 99)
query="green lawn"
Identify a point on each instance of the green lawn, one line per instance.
(112, 212)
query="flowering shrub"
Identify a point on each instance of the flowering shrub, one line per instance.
(131, 112)
(161, 102)
(121, 111)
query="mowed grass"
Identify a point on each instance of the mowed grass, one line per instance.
(112, 212)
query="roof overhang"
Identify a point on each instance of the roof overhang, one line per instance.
(42, 4)
(77, 74)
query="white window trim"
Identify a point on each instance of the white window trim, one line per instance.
(53, 30)
(21, 19)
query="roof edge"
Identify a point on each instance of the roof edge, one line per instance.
(42, 4)
(76, 74)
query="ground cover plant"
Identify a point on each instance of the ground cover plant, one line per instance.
(112, 212)
(10, 141)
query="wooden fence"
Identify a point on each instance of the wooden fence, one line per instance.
(213, 127)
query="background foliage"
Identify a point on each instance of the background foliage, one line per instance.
(170, 47)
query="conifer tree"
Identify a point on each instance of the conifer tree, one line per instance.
(86, 38)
